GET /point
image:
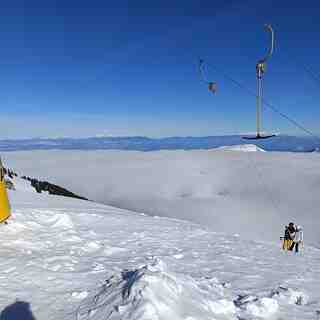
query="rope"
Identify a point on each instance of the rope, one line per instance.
(266, 103)
(312, 74)
(271, 106)
(315, 76)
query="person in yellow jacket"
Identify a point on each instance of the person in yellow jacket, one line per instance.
(289, 235)
(286, 239)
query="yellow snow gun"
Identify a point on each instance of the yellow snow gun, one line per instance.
(5, 210)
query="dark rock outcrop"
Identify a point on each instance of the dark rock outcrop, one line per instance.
(41, 186)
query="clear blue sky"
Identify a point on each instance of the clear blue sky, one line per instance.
(85, 68)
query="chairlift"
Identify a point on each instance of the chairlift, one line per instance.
(212, 86)
(261, 67)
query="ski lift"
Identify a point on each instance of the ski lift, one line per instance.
(261, 67)
(212, 86)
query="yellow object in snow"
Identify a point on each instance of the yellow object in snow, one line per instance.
(5, 211)
(287, 244)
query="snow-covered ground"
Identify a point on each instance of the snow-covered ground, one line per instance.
(74, 259)
(243, 148)
(253, 194)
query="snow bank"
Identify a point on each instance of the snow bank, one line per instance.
(290, 296)
(243, 148)
(21, 185)
(153, 292)
(263, 308)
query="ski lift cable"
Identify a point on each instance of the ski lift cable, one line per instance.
(266, 103)
(309, 70)
(274, 203)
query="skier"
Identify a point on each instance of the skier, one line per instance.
(287, 242)
(289, 235)
(292, 229)
(298, 238)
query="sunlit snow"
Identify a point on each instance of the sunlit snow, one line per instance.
(74, 259)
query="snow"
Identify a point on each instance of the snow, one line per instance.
(65, 258)
(21, 184)
(263, 308)
(243, 148)
(252, 194)
(153, 292)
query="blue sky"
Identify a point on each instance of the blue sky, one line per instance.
(86, 68)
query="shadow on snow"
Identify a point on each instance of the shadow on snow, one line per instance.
(19, 310)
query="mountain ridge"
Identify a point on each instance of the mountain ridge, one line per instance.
(142, 143)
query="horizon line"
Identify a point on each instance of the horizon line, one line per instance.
(144, 137)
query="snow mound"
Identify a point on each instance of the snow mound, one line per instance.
(153, 292)
(250, 305)
(266, 306)
(243, 148)
(290, 296)
(263, 308)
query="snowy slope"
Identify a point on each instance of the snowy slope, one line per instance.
(250, 193)
(74, 259)
(21, 184)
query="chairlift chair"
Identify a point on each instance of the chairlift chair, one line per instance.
(212, 86)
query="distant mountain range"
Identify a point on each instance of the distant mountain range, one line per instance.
(278, 143)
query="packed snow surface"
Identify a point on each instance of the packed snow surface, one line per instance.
(253, 194)
(65, 259)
